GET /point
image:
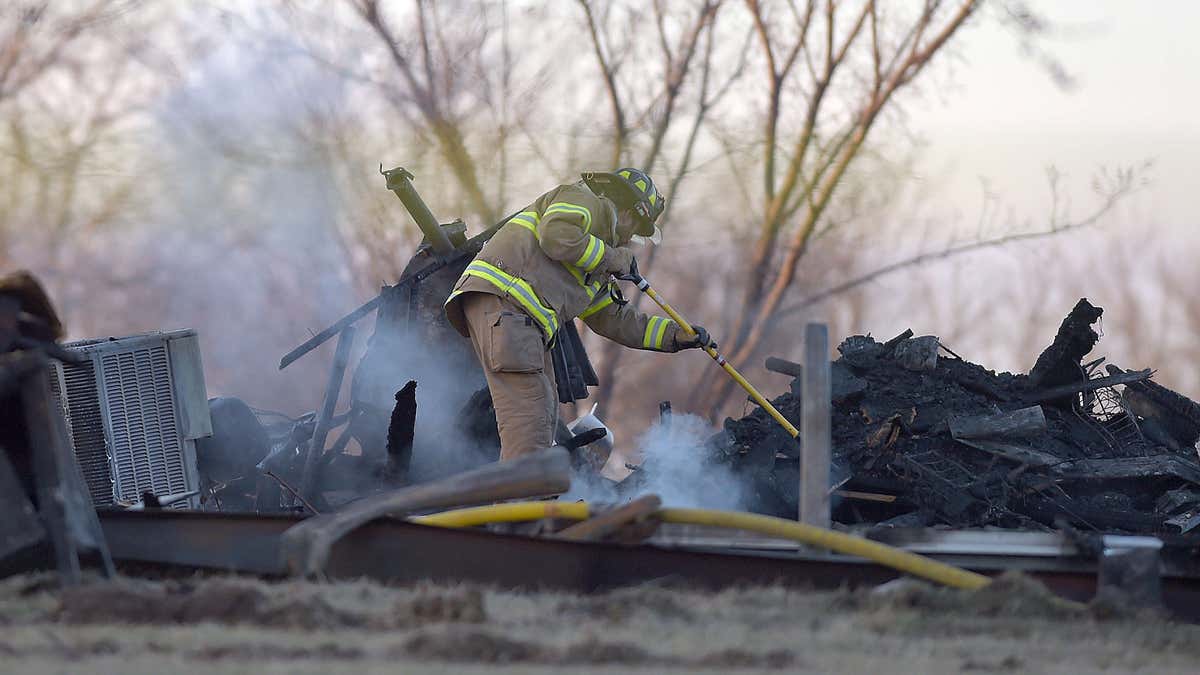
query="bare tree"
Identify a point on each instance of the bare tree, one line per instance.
(675, 67)
(1112, 187)
(37, 38)
(817, 44)
(73, 82)
(424, 63)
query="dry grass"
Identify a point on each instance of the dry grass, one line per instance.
(234, 625)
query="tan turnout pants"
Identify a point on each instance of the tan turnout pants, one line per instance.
(519, 372)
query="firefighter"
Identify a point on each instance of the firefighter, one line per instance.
(549, 264)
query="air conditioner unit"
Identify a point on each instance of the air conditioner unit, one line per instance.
(134, 409)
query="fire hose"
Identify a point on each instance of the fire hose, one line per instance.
(645, 287)
(897, 559)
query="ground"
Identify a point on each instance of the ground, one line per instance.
(237, 625)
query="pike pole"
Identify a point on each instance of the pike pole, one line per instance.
(645, 287)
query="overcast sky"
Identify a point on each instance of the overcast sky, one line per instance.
(1136, 98)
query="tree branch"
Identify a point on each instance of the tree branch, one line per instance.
(1126, 186)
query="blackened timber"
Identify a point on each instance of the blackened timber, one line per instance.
(1058, 364)
(1059, 392)
(1178, 414)
(784, 367)
(434, 265)
(1017, 452)
(400, 433)
(1016, 423)
(1172, 466)
(891, 344)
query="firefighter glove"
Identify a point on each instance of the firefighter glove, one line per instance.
(700, 339)
(620, 262)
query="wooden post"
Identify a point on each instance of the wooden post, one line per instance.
(815, 428)
(46, 452)
(333, 389)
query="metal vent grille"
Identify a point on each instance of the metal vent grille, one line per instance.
(86, 425)
(146, 445)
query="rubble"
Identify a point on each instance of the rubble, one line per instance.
(957, 444)
(48, 516)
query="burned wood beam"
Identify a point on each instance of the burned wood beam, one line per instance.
(1015, 423)
(400, 433)
(1172, 466)
(1059, 363)
(784, 367)
(891, 344)
(1054, 393)
(1176, 413)
(1019, 453)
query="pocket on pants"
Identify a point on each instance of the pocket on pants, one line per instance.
(516, 345)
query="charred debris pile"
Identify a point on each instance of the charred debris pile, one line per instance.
(923, 437)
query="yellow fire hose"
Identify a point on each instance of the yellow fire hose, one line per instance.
(645, 287)
(889, 556)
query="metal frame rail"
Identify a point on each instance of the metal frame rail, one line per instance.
(395, 551)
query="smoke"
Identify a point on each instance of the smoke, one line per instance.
(245, 245)
(676, 467)
(446, 376)
(250, 241)
(679, 470)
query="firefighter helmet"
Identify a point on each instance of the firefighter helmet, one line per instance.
(631, 189)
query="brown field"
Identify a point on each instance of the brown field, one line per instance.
(236, 625)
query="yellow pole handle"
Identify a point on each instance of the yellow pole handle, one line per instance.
(645, 287)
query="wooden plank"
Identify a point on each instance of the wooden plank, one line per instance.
(606, 524)
(815, 428)
(1130, 467)
(1016, 452)
(1014, 423)
(1089, 385)
(865, 496)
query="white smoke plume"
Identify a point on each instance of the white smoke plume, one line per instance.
(679, 470)
(676, 466)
